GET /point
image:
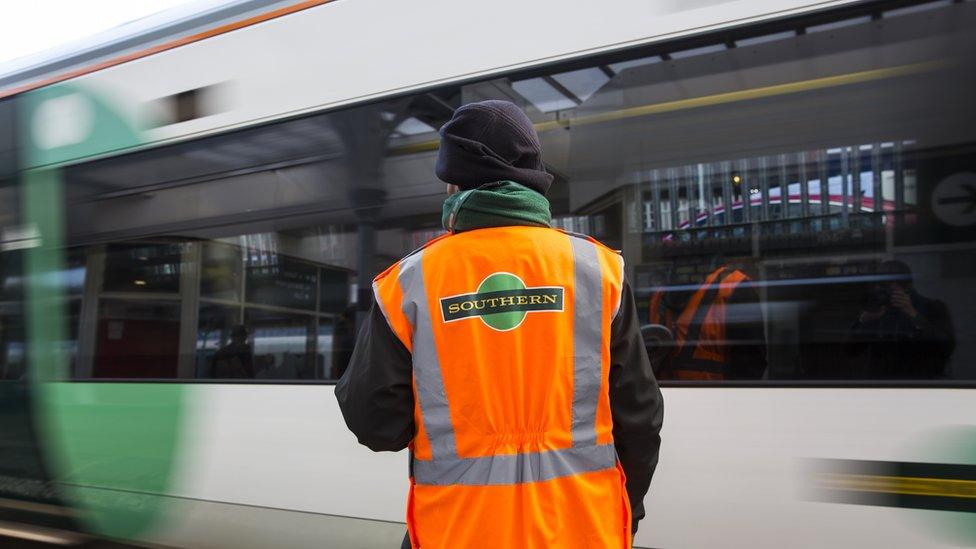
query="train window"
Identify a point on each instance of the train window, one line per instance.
(792, 204)
(249, 256)
(787, 208)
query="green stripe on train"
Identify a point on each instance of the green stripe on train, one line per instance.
(111, 446)
(956, 444)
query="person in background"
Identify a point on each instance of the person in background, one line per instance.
(903, 334)
(718, 328)
(236, 359)
(508, 357)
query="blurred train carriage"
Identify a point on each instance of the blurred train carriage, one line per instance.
(193, 206)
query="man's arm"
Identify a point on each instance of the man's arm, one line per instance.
(375, 393)
(636, 404)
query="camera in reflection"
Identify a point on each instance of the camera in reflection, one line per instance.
(876, 298)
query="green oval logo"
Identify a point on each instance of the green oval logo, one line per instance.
(499, 282)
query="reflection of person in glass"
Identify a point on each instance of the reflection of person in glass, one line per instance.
(717, 328)
(236, 359)
(903, 333)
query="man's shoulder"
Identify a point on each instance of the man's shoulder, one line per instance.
(395, 267)
(588, 238)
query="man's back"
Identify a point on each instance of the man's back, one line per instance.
(508, 328)
(508, 357)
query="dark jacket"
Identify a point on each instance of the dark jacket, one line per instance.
(376, 395)
(897, 346)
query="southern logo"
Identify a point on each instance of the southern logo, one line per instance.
(502, 302)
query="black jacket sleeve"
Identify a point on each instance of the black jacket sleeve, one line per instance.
(636, 404)
(375, 392)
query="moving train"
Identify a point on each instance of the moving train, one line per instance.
(192, 207)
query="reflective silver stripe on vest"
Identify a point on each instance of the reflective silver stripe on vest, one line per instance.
(514, 468)
(426, 366)
(587, 339)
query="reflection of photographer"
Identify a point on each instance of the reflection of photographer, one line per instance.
(905, 334)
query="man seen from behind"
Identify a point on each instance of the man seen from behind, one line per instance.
(507, 356)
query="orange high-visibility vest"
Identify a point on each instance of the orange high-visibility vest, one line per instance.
(699, 331)
(509, 332)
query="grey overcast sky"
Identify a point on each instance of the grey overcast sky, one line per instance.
(32, 26)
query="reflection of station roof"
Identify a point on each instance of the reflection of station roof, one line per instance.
(623, 116)
(279, 172)
(569, 90)
(146, 32)
(753, 96)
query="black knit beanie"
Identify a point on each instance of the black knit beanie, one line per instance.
(491, 141)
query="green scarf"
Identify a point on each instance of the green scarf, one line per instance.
(498, 204)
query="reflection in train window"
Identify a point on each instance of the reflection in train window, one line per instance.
(136, 339)
(282, 342)
(791, 205)
(148, 267)
(219, 330)
(221, 266)
(259, 312)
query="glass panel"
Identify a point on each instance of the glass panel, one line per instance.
(582, 83)
(148, 267)
(543, 95)
(222, 344)
(220, 275)
(276, 279)
(137, 339)
(283, 345)
(333, 290)
(74, 272)
(786, 233)
(787, 210)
